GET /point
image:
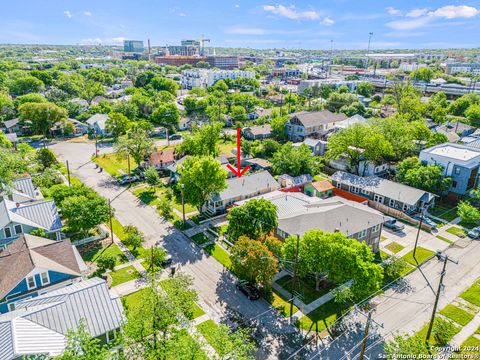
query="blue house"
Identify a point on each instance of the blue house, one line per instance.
(31, 266)
(22, 218)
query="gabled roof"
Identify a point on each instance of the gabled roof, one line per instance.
(355, 119)
(316, 118)
(247, 185)
(12, 137)
(99, 119)
(39, 325)
(11, 123)
(286, 180)
(162, 156)
(393, 190)
(25, 186)
(29, 252)
(42, 215)
(259, 130)
(323, 185)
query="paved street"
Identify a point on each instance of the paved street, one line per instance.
(215, 286)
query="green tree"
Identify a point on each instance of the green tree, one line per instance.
(255, 219)
(31, 97)
(133, 237)
(436, 139)
(427, 177)
(136, 143)
(42, 115)
(82, 213)
(151, 177)
(294, 161)
(106, 262)
(407, 345)
(202, 141)
(166, 115)
(46, 158)
(422, 74)
(26, 84)
(365, 88)
(165, 206)
(161, 83)
(279, 129)
(468, 213)
(202, 177)
(117, 124)
(394, 267)
(473, 115)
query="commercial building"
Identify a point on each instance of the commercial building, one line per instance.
(135, 46)
(187, 48)
(205, 78)
(473, 68)
(221, 62)
(460, 162)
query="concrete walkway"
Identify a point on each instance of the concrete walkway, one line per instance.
(466, 331)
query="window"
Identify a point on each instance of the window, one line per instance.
(44, 278)
(457, 171)
(110, 336)
(11, 306)
(405, 207)
(365, 192)
(338, 185)
(362, 234)
(31, 283)
(454, 184)
(8, 232)
(354, 189)
(378, 198)
(376, 228)
(18, 229)
(391, 203)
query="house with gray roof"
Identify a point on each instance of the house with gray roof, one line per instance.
(17, 219)
(298, 213)
(98, 123)
(21, 191)
(311, 124)
(392, 194)
(257, 132)
(12, 126)
(39, 326)
(240, 188)
(33, 265)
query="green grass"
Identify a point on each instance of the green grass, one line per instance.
(325, 315)
(183, 346)
(444, 211)
(455, 230)
(114, 165)
(472, 294)
(210, 331)
(305, 287)
(148, 195)
(200, 238)
(177, 204)
(443, 238)
(394, 247)
(178, 222)
(321, 176)
(466, 225)
(470, 346)
(383, 238)
(118, 229)
(433, 340)
(219, 254)
(459, 315)
(380, 256)
(123, 275)
(196, 310)
(94, 252)
(281, 304)
(133, 300)
(421, 255)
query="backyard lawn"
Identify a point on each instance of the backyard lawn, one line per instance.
(421, 255)
(472, 294)
(281, 304)
(114, 165)
(325, 315)
(459, 315)
(94, 251)
(305, 287)
(455, 230)
(123, 275)
(219, 254)
(394, 247)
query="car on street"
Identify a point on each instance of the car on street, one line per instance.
(425, 220)
(248, 289)
(125, 179)
(474, 233)
(393, 224)
(175, 137)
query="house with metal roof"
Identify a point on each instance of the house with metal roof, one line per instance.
(311, 124)
(21, 191)
(298, 213)
(392, 194)
(240, 188)
(22, 218)
(460, 162)
(33, 265)
(39, 326)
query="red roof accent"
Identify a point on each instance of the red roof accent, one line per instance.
(349, 196)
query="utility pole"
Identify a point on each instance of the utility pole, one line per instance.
(128, 161)
(294, 279)
(365, 335)
(182, 187)
(289, 100)
(329, 72)
(68, 174)
(437, 295)
(96, 145)
(111, 222)
(368, 50)
(418, 232)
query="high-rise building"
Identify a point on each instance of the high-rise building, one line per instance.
(135, 46)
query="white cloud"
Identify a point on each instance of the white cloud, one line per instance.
(392, 11)
(453, 12)
(416, 13)
(327, 21)
(68, 14)
(105, 41)
(237, 6)
(409, 24)
(87, 13)
(182, 14)
(291, 12)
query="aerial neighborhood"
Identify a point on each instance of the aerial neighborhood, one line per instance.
(191, 201)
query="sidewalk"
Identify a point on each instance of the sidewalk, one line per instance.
(466, 331)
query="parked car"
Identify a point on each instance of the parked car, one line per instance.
(393, 224)
(175, 137)
(125, 179)
(426, 220)
(248, 289)
(474, 233)
(138, 172)
(167, 261)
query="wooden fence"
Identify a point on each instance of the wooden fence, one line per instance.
(397, 214)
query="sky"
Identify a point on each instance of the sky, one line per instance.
(245, 23)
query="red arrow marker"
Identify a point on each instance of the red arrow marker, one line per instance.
(238, 171)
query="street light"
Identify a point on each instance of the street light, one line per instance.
(182, 186)
(368, 50)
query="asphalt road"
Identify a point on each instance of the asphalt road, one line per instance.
(215, 286)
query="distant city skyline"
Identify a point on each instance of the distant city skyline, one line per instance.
(249, 23)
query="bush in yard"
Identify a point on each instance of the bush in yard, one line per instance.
(393, 267)
(133, 236)
(468, 213)
(151, 176)
(165, 207)
(405, 345)
(106, 262)
(46, 158)
(342, 294)
(443, 330)
(157, 255)
(39, 232)
(83, 213)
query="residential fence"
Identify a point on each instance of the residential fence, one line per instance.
(397, 214)
(87, 240)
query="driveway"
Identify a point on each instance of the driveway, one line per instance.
(215, 286)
